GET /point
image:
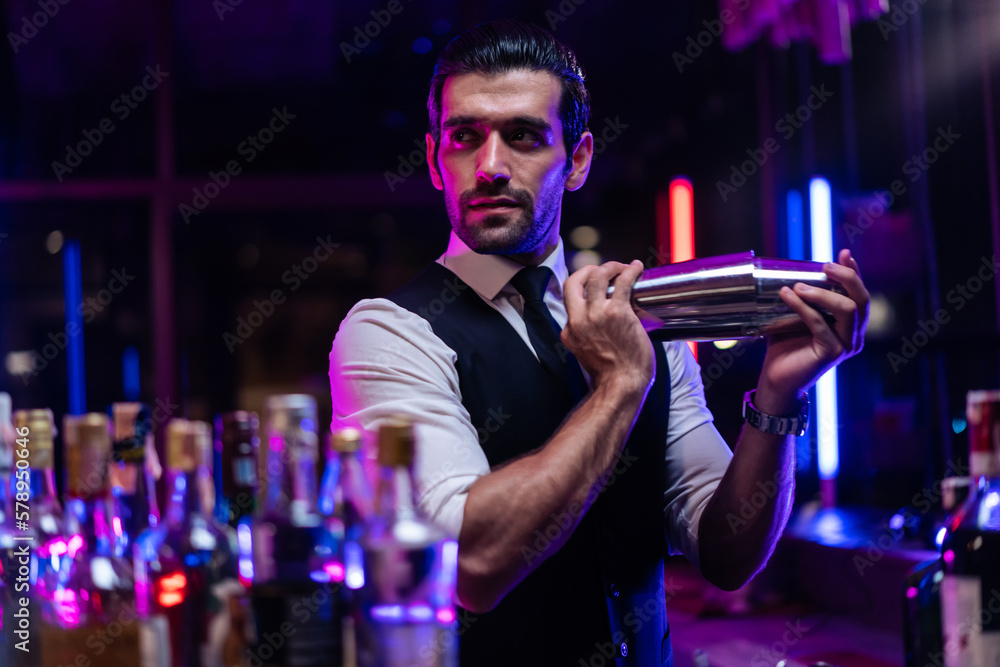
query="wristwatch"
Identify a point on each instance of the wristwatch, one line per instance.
(796, 425)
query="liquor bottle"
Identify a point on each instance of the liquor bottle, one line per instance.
(970, 551)
(346, 500)
(6, 459)
(410, 567)
(38, 514)
(293, 552)
(8, 597)
(96, 616)
(238, 445)
(237, 451)
(134, 471)
(185, 568)
(345, 495)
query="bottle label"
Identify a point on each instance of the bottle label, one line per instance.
(245, 472)
(970, 622)
(129, 450)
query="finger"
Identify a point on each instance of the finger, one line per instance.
(845, 258)
(849, 278)
(844, 310)
(820, 330)
(625, 280)
(574, 292)
(599, 279)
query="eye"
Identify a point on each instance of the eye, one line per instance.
(462, 136)
(526, 137)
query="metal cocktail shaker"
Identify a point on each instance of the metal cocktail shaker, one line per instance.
(724, 297)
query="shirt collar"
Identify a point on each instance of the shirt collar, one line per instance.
(489, 274)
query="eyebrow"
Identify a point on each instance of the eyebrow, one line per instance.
(535, 122)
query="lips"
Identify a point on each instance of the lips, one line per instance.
(494, 204)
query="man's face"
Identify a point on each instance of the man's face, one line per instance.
(502, 162)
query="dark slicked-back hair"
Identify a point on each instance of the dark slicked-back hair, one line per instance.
(498, 47)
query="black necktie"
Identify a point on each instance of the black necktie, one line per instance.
(543, 331)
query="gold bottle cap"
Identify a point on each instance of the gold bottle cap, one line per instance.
(181, 451)
(395, 442)
(189, 445)
(345, 440)
(41, 432)
(88, 450)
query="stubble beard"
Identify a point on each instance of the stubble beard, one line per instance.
(504, 234)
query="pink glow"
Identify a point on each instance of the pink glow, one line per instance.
(911, 592)
(67, 607)
(949, 556)
(141, 594)
(117, 525)
(75, 544)
(275, 443)
(336, 571)
(57, 547)
(446, 615)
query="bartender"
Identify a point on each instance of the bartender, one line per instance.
(566, 452)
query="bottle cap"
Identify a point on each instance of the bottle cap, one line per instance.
(291, 425)
(189, 445)
(41, 432)
(345, 440)
(237, 429)
(237, 421)
(87, 441)
(395, 442)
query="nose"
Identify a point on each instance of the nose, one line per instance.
(492, 162)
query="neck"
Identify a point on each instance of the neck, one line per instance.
(184, 501)
(345, 493)
(394, 496)
(293, 491)
(43, 486)
(91, 523)
(5, 509)
(540, 252)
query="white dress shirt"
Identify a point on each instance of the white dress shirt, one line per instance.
(387, 360)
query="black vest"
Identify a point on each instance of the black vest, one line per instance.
(601, 597)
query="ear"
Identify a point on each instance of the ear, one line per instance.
(431, 163)
(583, 153)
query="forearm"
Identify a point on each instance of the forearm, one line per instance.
(747, 513)
(553, 486)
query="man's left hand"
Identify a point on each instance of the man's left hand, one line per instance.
(794, 362)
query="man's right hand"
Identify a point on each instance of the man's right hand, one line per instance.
(605, 334)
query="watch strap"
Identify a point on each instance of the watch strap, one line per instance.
(772, 424)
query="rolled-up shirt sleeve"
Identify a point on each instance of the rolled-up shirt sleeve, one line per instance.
(387, 361)
(697, 456)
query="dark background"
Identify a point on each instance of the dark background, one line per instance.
(357, 118)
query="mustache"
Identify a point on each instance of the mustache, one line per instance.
(501, 189)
